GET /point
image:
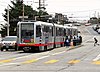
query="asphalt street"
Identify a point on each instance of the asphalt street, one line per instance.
(83, 58)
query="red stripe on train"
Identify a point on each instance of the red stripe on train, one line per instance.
(22, 45)
(40, 44)
(59, 42)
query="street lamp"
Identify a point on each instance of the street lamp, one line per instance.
(8, 20)
(42, 16)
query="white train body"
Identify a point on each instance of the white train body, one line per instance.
(41, 35)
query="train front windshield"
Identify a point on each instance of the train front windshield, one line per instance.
(27, 33)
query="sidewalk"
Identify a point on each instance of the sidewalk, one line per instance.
(74, 47)
(65, 48)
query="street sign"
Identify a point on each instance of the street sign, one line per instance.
(23, 16)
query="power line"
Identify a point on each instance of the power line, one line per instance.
(81, 11)
(3, 2)
(2, 5)
(77, 11)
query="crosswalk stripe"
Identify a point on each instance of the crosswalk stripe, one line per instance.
(29, 61)
(96, 62)
(74, 61)
(51, 61)
(47, 62)
(5, 61)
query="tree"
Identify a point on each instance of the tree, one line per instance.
(43, 16)
(14, 12)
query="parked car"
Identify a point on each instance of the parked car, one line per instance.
(87, 24)
(94, 27)
(77, 24)
(98, 31)
(9, 42)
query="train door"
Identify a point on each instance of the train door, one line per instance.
(37, 34)
(18, 40)
(26, 36)
(62, 36)
(74, 31)
(47, 35)
(58, 37)
(39, 40)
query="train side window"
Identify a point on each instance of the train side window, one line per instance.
(68, 31)
(47, 31)
(18, 31)
(62, 32)
(65, 32)
(38, 31)
(52, 31)
(57, 32)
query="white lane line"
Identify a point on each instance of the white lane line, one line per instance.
(89, 39)
(28, 56)
(7, 64)
(97, 58)
(43, 57)
(58, 53)
(88, 31)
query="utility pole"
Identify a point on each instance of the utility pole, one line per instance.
(43, 3)
(39, 9)
(23, 10)
(23, 16)
(98, 14)
(39, 4)
(95, 14)
(8, 20)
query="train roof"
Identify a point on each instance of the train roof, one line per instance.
(37, 22)
(24, 22)
(70, 27)
(74, 27)
(42, 23)
(57, 25)
(45, 23)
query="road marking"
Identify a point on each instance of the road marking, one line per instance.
(96, 62)
(58, 53)
(89, 39)
(74, 61)
(5, 61)
(43, 57)
(29, 61)
(97, 58)
(33, 60)
(88, 31)
(51, 61)
(9, 64)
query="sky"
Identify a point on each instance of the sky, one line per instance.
(80, 9)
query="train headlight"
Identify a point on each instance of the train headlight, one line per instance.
(32, 40)
(22, 40)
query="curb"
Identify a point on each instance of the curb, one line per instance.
(74, 47)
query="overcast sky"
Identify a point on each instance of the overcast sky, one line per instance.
(75, 8)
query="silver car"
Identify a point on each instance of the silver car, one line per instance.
(9, 42)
